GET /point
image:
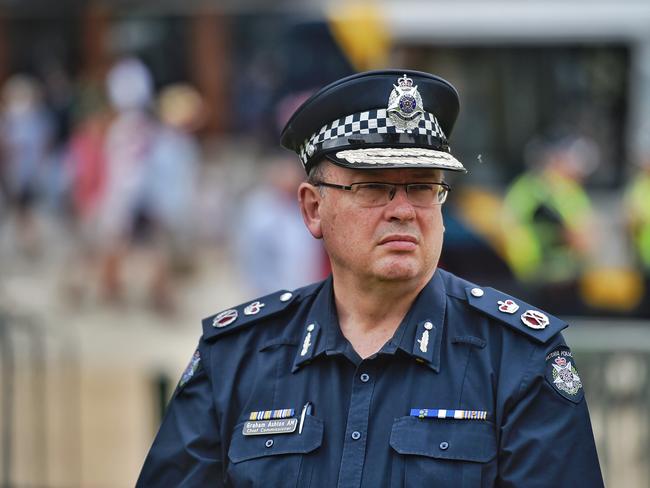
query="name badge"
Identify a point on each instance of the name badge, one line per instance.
(266, 427)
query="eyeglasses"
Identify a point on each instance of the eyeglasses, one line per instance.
(376, 194)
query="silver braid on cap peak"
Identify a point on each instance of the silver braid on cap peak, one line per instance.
(374, 121)
(403, 156)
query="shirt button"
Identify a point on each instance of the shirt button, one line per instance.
(269, 443)
(356, 435)
(365, 377)
(444, 445)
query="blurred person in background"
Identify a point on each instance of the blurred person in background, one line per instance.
(391, 372)
(129, 147)
(637, 215)
(170, 188)
(60, 96)
(26, 135)
(85, 163)
(548, 222)
(272, 246)
(86, 157)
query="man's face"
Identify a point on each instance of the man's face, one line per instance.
(394, 242)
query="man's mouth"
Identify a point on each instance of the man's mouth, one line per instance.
(399, 242)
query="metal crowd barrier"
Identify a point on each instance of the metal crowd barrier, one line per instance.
(613, 359)
(26, 355)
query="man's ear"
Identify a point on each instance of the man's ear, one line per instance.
(309, 198)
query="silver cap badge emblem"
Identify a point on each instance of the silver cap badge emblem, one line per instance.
(405, 104)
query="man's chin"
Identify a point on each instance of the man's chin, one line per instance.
(399, 272)
(404, 269)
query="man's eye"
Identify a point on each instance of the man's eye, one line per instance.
(373, 187)
(420, 188)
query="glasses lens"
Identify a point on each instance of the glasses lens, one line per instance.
(419, 194)
(426, 194)
(372, 194)
(441, 193)
(422, 194)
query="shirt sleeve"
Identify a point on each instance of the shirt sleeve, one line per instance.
(546, 437)
(187, 449)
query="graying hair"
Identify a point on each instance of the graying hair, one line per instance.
(316, 173)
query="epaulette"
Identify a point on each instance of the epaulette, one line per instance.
(248, 313)
(515, 313)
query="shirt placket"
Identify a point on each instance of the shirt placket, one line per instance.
(356, 432)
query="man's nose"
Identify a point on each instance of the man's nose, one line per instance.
(399, 207)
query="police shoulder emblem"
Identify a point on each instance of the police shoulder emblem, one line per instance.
(562, 374)
(191, 368)
(405, 105)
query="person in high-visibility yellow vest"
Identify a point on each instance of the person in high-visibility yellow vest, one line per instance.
(637, 206)
(547, 215)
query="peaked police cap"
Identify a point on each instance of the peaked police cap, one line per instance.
(377, 119)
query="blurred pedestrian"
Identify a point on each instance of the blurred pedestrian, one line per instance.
(637, 217)
(548, 222)
(85, 163)
(128, 149)
(59, 96)
(26, 133)
(272, 246)
(169, 197)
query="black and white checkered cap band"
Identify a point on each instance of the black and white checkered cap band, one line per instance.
(370, 122)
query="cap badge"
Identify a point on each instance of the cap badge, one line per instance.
(535, 319)
(405, 104)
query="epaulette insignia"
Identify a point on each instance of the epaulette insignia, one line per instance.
(519, 315)
(247, 313)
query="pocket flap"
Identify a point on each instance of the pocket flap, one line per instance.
(468, 440)
(243, 448)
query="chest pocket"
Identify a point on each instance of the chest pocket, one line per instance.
(278, 460)
(433, 452)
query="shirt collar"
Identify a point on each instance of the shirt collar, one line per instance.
(321, 332)
(419, 335)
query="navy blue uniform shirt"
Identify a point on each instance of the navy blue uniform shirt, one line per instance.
(465, 394)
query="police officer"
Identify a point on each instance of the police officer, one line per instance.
(391, 372)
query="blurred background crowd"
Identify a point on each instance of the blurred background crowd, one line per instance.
(142, 188)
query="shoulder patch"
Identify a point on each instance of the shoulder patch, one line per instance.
(519, 315)
(191, 368)
(247, 313)
(562, 375)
